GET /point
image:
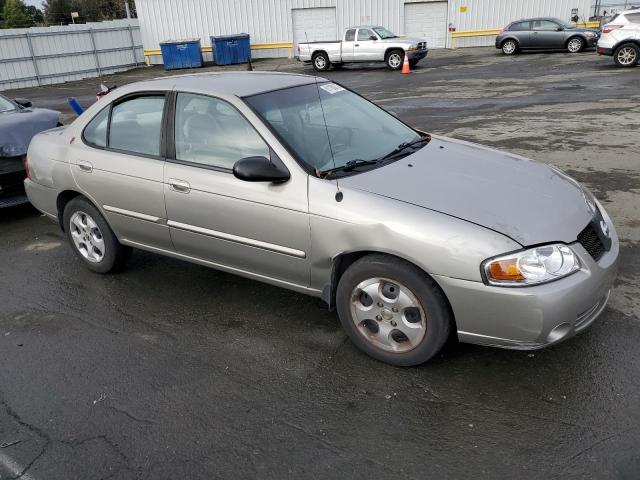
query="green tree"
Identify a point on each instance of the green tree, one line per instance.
(58, 12)
(15, 15)
(36, 14)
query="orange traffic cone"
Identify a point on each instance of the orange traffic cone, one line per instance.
(406, 69)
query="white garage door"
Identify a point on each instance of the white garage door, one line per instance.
(315, 24)
(428, 20)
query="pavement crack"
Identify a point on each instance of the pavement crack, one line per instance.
(129, 415)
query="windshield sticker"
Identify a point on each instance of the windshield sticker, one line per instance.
(332, 88)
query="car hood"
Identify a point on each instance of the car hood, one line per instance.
(528, 201)
(18, 128)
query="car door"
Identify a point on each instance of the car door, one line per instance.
(119, 164)
(367, 50)
(348, 45)
(546, 34)
(256, 227)
(522, 32)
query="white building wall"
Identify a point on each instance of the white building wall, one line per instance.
(269, 21)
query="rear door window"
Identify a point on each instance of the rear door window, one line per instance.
(350, 35)
(136, 125)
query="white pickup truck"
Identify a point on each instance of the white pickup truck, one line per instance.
(363, 44)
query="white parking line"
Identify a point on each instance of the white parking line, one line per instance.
(14, 468)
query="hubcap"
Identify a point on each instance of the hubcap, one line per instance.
(87, 237)
(575, 45)
(627, 56)
(320, 62)
(509, 47)
(388, 315)
(395, 60)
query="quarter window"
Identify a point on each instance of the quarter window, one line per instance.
(136, 125)
(519, 27)
(364, 34)
(350, 35)
(545, 25)
(95, 133)
(211, 132)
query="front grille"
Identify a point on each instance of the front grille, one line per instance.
(422, 45)
(591, 242)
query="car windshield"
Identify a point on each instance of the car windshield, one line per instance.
(6, 105)
(384, 33)
(327, 126)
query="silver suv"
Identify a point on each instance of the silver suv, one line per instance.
(621, 38)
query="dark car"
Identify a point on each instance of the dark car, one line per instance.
(18, 124)
(545, 34)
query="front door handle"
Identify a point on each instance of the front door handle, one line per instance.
(85, 166)
(357, 45)
(179, 186)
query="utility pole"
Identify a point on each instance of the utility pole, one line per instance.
(126, 7)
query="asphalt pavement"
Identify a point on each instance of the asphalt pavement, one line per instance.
(170, 370)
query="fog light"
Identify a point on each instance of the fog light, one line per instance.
(559, 332)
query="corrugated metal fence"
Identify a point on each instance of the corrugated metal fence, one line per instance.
(46, 55)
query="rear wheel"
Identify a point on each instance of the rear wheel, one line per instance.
(91, 238)
(392, 310)
(394, 59)
(509, 47)
(575, 45)
(627, 55)
(321, 62)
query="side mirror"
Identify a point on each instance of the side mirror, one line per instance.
(260, 169)
(23, 102)
(559, 29)
(373, 37)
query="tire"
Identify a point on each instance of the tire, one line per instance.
(509, 47)
(91, 238)
(394, 59)
(372, 279)
(321, 62)
(627, 55)
(575, 45)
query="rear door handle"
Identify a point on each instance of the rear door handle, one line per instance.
(357, 45)
(85, 166)
(179, 186)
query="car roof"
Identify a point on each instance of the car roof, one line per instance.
(240, 84)
(535, 18)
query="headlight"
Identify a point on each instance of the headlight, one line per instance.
(531, 267)
(9, 150)
(413, 46)
(590, 34)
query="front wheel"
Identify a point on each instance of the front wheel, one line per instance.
(627, 55)
(91, 238)
(392, 310)
(509, 47)
(321, 62)
(395, 59)
(575, 45)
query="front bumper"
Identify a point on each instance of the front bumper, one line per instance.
(530, 318)
(592, 42)
(418, 54)
(12, 174)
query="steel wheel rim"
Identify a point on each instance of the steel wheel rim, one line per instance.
(509, 47)
(627, 56)
(87, 237)
(394, 60)
(396, 325)
(321, 62)
(575, 45)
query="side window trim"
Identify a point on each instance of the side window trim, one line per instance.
(171, 134)
(118, 101)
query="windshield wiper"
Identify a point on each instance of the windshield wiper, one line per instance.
(349, 166)
(403, 146)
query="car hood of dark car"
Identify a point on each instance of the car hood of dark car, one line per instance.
(18, 128)
(528, 201)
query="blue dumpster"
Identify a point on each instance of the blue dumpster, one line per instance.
(230, 49)
(184, 53)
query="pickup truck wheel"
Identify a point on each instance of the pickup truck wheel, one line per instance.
(321, 62)
(392, 310)
(627, 55)
(395, 59)
(92, 239)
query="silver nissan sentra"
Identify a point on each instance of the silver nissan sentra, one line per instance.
(296, 181)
